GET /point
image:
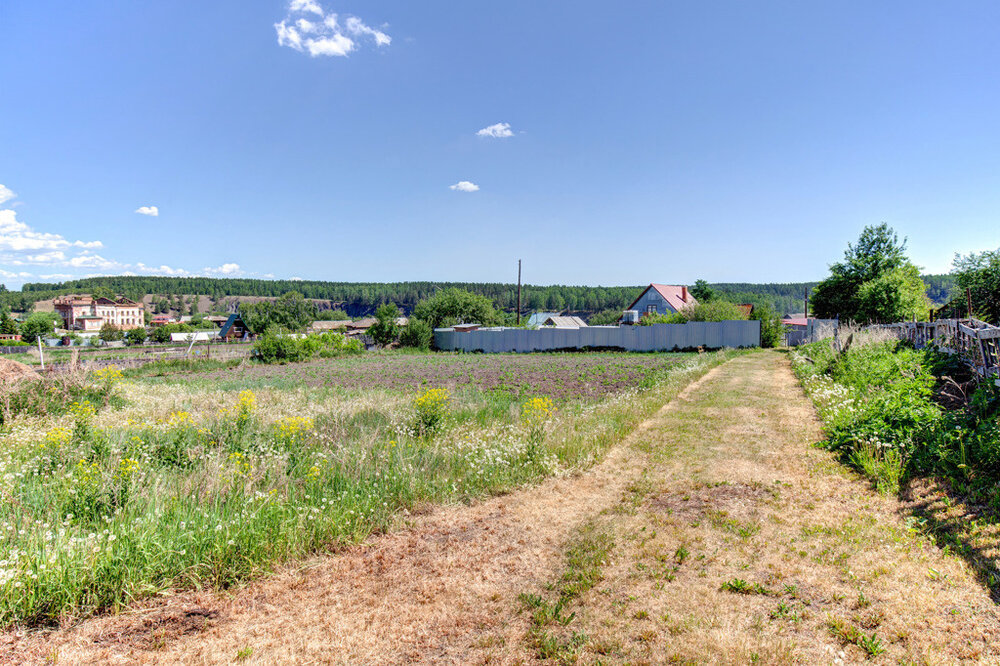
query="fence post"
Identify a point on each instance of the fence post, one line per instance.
(41, 358)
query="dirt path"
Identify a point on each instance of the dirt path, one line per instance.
(721, 485)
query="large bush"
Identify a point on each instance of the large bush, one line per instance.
(385, 330)
(280, 348)
(417, 334)
(717, 310)
(455, 306)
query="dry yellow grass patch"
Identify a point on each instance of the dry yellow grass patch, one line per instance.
(745, 545)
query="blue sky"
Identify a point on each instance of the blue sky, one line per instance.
(632, 142)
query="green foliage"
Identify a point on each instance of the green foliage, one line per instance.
(136, 336)
(874, 283)
(877, 403)
(38, 324)
(717, 310)
(703, 292)
(7, 324)
(417, 334)
(980, 273)
(772, 330)
(385, 330)
(110, 333)
(291, 312)
(455, 306)
(162, 334)
(333, 315)
(605, 318)
(283, 348)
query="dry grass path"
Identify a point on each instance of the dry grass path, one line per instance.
(720, 486)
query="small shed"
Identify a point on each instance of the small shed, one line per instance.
(564, 322)
(234, 329)
(327, 326)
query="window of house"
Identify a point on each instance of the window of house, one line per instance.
(650, 309)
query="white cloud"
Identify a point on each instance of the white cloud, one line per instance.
(498, 131)
(224, 269)
(160, 270)
(464, 186)
(8, 274)
(295, 279)
(152, 211)
(305, 6)
(18, 237)
(328, 38)
(6, 194)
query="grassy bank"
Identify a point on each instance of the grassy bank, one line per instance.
(894, 412)
(184, 487)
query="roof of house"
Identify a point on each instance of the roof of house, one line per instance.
(746, 308)
(796, 321)
(367, 322)
(565, 322)
(328, 325)
(539, 318)
(234, 319)
(671, 293)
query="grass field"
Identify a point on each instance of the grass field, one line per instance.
(212, 478)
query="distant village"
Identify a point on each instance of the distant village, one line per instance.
(89, 319)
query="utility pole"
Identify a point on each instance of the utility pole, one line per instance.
(805, 303)
(518, 292)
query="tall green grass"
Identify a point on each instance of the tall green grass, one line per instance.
(92, 519)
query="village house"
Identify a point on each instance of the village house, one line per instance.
(663, 299)
(86, 313)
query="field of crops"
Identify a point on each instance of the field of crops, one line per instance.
(559, 376)
(115, 488)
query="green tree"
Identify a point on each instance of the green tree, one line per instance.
(291, 312)
(136, 336)
(38, 324)
(874, 282)
(702, 292)
(980, 274)
(7, 324)
(605, 318)
(417, 334)
(385, 329)
(772, 329)
(456, 306)
(110, 332)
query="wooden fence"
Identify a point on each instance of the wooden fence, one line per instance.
(975, 341)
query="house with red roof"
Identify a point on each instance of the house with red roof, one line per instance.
(663, 299)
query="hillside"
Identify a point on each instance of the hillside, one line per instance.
(362, 298)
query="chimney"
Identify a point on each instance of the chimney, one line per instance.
(684, 294)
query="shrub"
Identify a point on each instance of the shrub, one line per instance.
(136, 336)
(385, 329)
(110, 333)
(282, 348)
(417, 334)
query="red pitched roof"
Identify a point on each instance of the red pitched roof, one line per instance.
(746, 308)
(672, 293)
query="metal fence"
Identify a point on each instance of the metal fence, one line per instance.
(657, 337)
(974, 340)
(816, 329)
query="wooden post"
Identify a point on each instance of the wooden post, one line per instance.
(41, 358)
(518, 292)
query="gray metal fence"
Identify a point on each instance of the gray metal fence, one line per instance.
(816, 329)
(658, 337)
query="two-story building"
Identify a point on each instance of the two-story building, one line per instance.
(663, 299)
(86, 313)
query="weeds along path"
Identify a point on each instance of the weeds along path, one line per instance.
(420, 594)
(740, 543)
